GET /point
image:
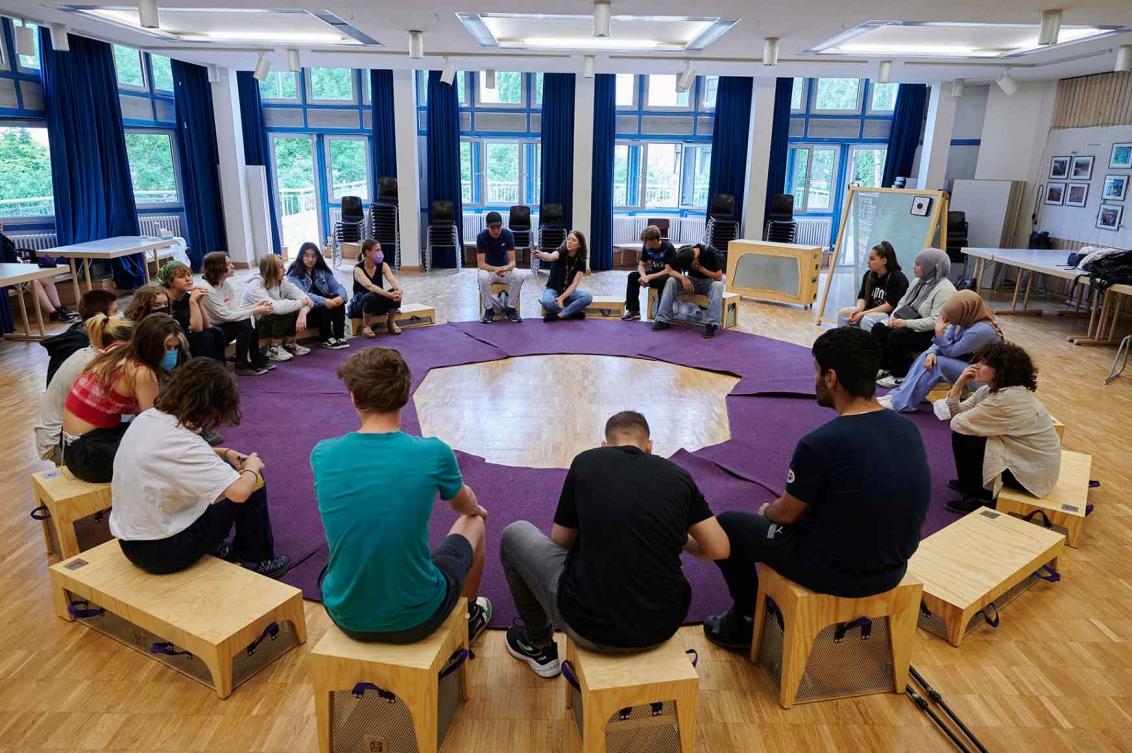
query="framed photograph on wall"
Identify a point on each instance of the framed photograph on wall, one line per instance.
(1115, 188)
(1121, 158)
(1108, 218)
(1077, 195)
(1081, 169)
(1055, 194)
(1059, 168)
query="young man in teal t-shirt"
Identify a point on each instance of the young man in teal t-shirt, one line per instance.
(376, 488)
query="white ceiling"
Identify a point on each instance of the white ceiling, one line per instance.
(801, 25)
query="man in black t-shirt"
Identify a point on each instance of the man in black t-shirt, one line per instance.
(856, 496)
(697, 269)
(609, 574)
(654, 267)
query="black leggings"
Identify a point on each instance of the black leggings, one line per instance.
(330, 322)
(278, 326)
(633, 290)
(373, 304)
(208, 343)
(899, 347)
(247, 340)
(91, 456)
(969, 454)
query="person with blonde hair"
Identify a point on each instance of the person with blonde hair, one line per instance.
(289, 307)
(223, 307)
(186, 306)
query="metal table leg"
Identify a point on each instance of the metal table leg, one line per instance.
(1114, 372)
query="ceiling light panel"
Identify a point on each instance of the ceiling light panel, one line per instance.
(575, 32)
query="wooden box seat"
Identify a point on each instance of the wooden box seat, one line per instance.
(386, 697)
(976, 565)
(410, 315)
(496, 289)
(216, 622)
(633, 702)
(817, 647)
(609, 306)
(75, 514)
(1063, 509)
(728, 319)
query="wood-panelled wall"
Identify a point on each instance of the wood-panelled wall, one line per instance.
(1103, 99)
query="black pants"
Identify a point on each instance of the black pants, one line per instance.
(899, 347)
(330, 322)
(247, 340)
(278, 326)
(91, 456)
(208, 343)
(633, 290)
(373, 304)
(253, 542)
(969, 454)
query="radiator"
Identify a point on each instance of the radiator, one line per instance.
(34, 241)
(153, 224)
(814, 231)
(687, 230)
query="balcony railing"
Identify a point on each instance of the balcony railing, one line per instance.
(44, 206)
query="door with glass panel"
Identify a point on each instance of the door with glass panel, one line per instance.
(297, 190)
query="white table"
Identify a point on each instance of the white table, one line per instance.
(20, 276)
(1037, 261)
(110, 248)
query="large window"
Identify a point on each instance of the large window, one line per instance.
(709, 85)
(28, 62)
(798, 95)
(837, 95)
(294, 174)
(331, 84)
(26, 189)
(662, 175)
(152, 168)
(499, 173)
(626, 90)
(812, 172)
(508, 89)
(128, 65)
(623, 195)
(884, 98)
(162, 73)
(348, 162)
(661, 92)
(866, 165)
(697, 170)
(280, 85)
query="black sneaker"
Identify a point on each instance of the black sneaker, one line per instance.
(225, 551)
(968, 504)
(709, 331)
(479, 617)
(513, 316)
(953, 484)
(488, 316)
(544, 661)
(658, 326)
(212, 437)
(274, 568)
(549, 317)
(729, 630)
(249, 370)
(67, 315)
(631, 316)
(578, 316)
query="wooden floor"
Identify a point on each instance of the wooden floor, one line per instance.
(1056, 676)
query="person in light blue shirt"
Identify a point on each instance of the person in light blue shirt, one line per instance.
(965, 325)
(382, 583)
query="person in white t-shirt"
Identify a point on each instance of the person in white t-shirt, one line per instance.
(176, 498)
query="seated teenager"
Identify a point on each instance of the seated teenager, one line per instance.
(60, 347)
(382, 583)
(224, 309)
(371, 299)
(857, 493)
(1002, 434)
(882, 287)
(609, 575)
(176, 498)
(119, 382)
(103, 332)
(45, 293)
(562, 298)
(186, 306)
(309, 273)
(909, 331)
(289, 308)
(654, 267)
(965, 325)
(697, 269)
(146, 300)
(495, 259)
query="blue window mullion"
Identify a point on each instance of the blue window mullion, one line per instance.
(322, 187)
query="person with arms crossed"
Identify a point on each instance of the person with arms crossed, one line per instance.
(654, 268)
(697, 269)
(495, 258)
(186, 306)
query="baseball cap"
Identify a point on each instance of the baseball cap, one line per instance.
(494, 218)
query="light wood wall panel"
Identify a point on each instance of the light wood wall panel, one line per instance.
(1103, 99)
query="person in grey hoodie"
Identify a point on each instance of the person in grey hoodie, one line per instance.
(289, 307)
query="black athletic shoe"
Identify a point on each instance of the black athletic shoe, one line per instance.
(67, 315)
(225, 551)
(488, 316)
(250, 370)
(729, 630)
(953, 484)
(968, 504)
(549, 317)
(479, 617)
(544, 661)
(631, 316)
(578, 316)
(709, 331)
(513, 316)
(274, 568)
(658, 326)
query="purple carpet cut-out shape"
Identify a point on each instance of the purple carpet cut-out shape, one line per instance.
(301, 402)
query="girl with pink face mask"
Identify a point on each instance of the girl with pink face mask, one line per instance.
(370, 298)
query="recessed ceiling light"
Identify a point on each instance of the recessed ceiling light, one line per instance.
(579, 32)
(589, 43)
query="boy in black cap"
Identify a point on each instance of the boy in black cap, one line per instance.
(495, 257)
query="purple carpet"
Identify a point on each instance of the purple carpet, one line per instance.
(770, 409)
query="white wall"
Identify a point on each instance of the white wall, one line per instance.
(233, 181)
(583, 153)
(970, 112)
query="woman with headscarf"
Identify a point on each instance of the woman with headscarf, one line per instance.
(965, 325)
(910, 329)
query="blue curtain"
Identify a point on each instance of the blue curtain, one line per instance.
(601, 195)
(257, 147)
(729, 138)
(907, 123)
(94, 196)
(442, 145)
(558, 142)
(198, 157)
(779, 147)
(384, 135)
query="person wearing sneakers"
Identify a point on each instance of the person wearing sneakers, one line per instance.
(609, 575)
(371, 299)
(382, 583)
(696, 269)
(495, 258)
(562, 299)
(654, 267)
(222, 305)
(289, 308)
(856, 496)
(176, 498)
(310, 274)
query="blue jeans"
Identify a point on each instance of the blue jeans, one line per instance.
(577, 301)
(701, 285)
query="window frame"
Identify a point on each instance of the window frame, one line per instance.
(692, 152)
(805, 93)
(308, 84)
(152, 79)
(477, 98)
(29, 219)
(687, 107)
(297, 99)
(144, 86)
(19, 66)
(528, 179)
(632, 176)
(175, 159)
(328, 139)
(703, 86)
(635, 89)
(313, 139)
(855, 110)
(804, 207)
(872, 96)
(644, 175)
(851, 161)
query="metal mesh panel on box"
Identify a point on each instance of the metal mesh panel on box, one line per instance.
(857, 663)
(258, 655)
(934, 623)
(366, 720)
(648, 728)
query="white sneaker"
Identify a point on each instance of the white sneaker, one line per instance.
(885, 401)
(276, 353)
(941, 410)
(296, 349)
(889, 381)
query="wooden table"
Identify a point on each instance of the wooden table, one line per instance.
(110, 248)
(19, 276)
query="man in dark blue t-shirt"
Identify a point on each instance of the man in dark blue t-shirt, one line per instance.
(857, 493)
(495, 257)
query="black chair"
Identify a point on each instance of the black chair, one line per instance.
(956, 235)
(384, 223)
(662, 224)
(519, 223)
(387, 189)
(351, 226)
(780, 225)
(722, 207)
(721, 227)
(442, 232)
(551, 229)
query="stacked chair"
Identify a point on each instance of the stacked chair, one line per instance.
(442, 232)
(519, 223)
(956, 235)
(662, 224)
(551, 229)
(351, 228)
(780, 225)
(383, 223)
(722, 227)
